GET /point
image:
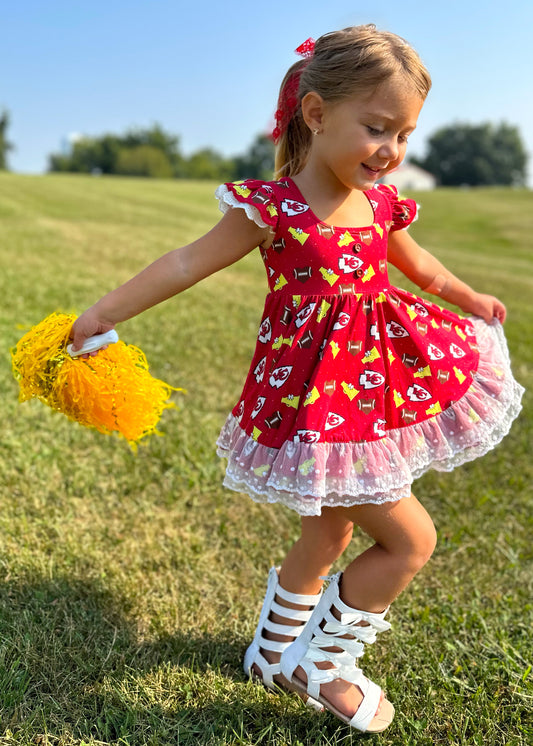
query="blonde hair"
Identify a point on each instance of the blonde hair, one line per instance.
(344, 63)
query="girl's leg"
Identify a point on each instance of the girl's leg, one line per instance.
(322, 541)
(404, 538)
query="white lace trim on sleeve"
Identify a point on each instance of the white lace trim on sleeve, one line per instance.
(227, 200)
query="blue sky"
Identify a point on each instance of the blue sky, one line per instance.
(210, 71)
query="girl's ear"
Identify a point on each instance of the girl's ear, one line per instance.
(313, 110)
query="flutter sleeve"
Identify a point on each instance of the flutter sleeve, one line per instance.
(404, 211)
(255, 197)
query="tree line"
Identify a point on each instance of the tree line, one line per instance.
(155, 153)
(459, 154)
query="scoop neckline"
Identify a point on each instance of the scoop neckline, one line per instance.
(330, 225)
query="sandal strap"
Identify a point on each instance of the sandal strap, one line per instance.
(297, 615)
(275, 646)
(353, 616)
(298, 598)
(282, 629)
(268, 670)
(324, 632)
(338, 628)
(369, 705)
(320, 642)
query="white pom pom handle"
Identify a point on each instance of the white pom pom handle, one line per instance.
(92, 344)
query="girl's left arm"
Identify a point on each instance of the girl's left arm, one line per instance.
(430, 275)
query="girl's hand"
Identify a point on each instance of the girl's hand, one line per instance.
(486, 306)
(87, 325)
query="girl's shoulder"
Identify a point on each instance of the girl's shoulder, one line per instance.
(259, 199)
(402, 212)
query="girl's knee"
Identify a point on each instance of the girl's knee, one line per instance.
(329, 533)
(422, 545)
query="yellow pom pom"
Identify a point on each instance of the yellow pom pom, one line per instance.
(112, 391)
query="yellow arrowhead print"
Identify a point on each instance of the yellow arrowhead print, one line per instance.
(291, 401)
(378, 229)
(391, 356)
(398, 399)
(473, 416)
(371, 356)
(422, 372)
(346, 239)
(261, 471)
(256, 433)
(280, 282)
(334, 349)
(460, 333)
(411, 312)
(312, 396)
(306, 467)
(359, 465)
(242, 191)
(322, 311)
(434, 409)
(459, 374)
(329, 275)
(350, 390)
(369, 273)
(299, 235)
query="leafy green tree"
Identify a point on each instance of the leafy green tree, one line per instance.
(5, 146)
(477, 155)
(89, 155)
(156, 138)
(143, 160)
(208, 164)
(105, 154)
(154, 152)
(258, 161)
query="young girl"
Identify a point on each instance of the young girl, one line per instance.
(356, 387)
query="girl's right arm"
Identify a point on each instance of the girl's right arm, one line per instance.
(233, 237)
(423, 269)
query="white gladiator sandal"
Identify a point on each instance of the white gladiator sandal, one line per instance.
(255, 663)
(350, 633)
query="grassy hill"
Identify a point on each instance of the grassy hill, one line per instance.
(130, 583)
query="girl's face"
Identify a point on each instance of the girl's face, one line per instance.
(364, 137)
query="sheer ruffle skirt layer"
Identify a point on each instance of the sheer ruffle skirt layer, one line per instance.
(306, 477)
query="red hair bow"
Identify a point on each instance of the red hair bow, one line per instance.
(288, 99)
(306, 49)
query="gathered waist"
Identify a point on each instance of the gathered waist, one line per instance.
(350, 289)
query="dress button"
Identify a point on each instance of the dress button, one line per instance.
(359, 273)
(356, 248)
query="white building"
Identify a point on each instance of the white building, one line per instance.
(409, 177)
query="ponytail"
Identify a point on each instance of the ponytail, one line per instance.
(291, 134)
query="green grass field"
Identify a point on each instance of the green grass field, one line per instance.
(130, 583)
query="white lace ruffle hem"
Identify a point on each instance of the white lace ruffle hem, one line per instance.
(307, 477)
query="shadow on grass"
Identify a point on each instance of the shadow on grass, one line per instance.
(73, 669)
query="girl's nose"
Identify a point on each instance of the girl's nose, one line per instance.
(390, 149)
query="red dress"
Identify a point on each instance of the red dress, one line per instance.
(356, 387)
